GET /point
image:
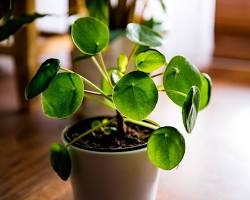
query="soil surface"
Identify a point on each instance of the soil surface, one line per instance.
(108, 139)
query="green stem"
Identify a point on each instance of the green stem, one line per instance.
(99, 68)
(145, 124)
(89, 131)
(98, 100)
(88, 83)
(132, 54)
(105, 68)
(92, 92)
(151, 122)
(155, 75)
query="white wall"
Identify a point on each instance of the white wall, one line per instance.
(191, 28)
(57, 22)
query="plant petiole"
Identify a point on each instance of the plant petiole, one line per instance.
(155, 75)
(88, 82)
(99, 68)
(145, 124)
(132, 54)
(105, 68)
(100, 101)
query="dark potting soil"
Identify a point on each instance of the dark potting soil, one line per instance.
(109, 139)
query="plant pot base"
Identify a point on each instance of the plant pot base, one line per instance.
(126, 175)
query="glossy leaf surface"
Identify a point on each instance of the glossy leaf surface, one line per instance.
(60, 160)
(141, 49)
(206, 87)
(179, 77)
(143, 35)
(190, 108)
(149, 60)
(63, 96)
(135, 95)
(166, 147)
(42, 78)
(90, 35)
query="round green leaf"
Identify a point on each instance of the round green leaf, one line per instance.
(149, 60)
(179, 77)
(63, 96)
(141, 49)
(206, 87)
(122, 63)
(135, 95)
(60, 160)
(143, 35)
(90, 35)
(190, 108)
(42, 78)
(166, 147)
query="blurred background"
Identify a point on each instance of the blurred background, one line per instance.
(213, 34)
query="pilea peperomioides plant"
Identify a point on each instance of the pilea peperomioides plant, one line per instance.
(133, 95)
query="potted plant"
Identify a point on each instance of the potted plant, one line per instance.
(116, 16)
(117, 157)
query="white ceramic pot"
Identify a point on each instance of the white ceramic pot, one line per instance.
(126, 175)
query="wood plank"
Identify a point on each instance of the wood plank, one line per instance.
(5, 50)
(232, 30)
(232, 46)
(233, 16)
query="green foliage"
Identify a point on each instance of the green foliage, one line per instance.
(155, 25)
(42, 78)
(98, 9)
(141, 49)
(90, 35)
(179, 77)
(105, 86)
(63, 96)
(122, 63)
(206, 87)
(116, 75)
(60, 160)
(96, 123)
(149, 60)
(13, 25)
(190, 108)
(135, 95)
(166, 147)
(143, 35)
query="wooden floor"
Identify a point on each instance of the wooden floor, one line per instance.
(215, 167)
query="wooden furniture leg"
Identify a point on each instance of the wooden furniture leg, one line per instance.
(25, 52)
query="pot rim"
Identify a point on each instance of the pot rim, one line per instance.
(138, 149)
